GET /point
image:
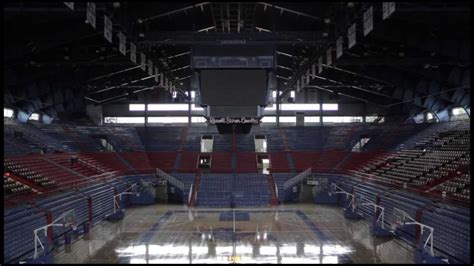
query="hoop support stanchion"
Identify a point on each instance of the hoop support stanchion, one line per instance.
(349, 211)
(421, 255)
(118, 213)
(37, 239)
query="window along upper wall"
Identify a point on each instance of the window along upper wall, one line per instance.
(7, 112)
(305, 107)
(313, 119)
(124, 120)
(153, 119)
(458, 111)
(164, 107)
(341, 119)
(370, 119)
(34, 116)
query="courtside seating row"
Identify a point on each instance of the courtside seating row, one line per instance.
(21, 220)
(451, 224)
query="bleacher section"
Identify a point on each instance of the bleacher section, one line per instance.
(438, 161)
(124, 139)
(160, 138)
(279, 162)
(280, 179)
(221, 162)
(433, 167)
(20, 221)
(222, 142)
(251, 190)
(342, 137)
(246, 162)
(188, 162)
(450, 241)
(304, 138)
(163, 160)
(215, 190)
(188, 180)
(137, 159)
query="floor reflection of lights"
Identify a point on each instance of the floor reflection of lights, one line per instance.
(200, 237)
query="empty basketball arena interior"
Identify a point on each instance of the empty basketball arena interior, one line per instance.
(236, 132)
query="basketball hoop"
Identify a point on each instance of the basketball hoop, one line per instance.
(396, 224)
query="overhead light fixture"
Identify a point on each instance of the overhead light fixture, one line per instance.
(140, 21)
(350, 4)
(325, 34)
(116, 4)
(141, 35)
(327, 20)
(426, 66)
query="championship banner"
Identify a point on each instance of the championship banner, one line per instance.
(143, 61)
(368, 21)
(387, 9)
(157, 75)
(133, 52)
(339, 43)
(162, 80)
(90, 15)
(351, 36)
(122, 43)
(329, 56)
(320, 65)
(108, 29)
(150, 67)
(70, 5)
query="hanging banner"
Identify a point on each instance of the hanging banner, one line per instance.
(351, 36)
(122, 43)
(320, 65)
(387, 9)
(91, 14)
(162, 80)
(329, 56)
(157, 75)
(70, 5)
(143, 61)
(150, 67)
(339, 43)
(108, 29)
(166, 84)
(133, 52)
(308, 79)
(298, 88)
(302, 81)
(313, 70)
(368, 21)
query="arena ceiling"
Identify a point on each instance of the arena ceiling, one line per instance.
(417, 60)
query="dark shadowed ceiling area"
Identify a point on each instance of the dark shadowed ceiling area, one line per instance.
(416, 60)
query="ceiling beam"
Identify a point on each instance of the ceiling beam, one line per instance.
(142, 20)
(284, 9)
